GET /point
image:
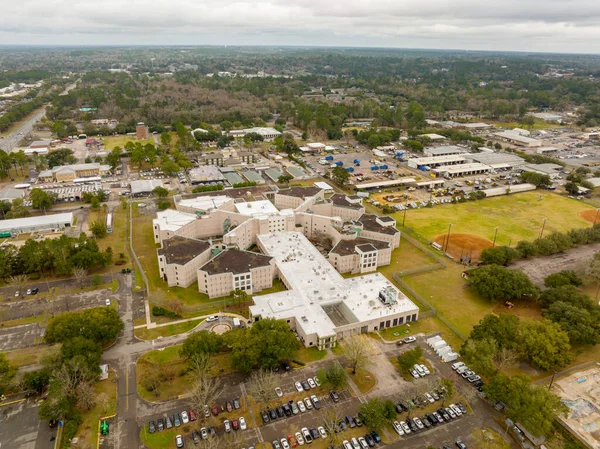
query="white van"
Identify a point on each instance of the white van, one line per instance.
(237, 323)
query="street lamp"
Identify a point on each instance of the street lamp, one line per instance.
(495, 235)
(448, 237)
(543, 225)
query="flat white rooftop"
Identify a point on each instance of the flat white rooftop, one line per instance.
(204, 203)
(392, 182)
(315, 284)
(462, 168)
(446, 159)
(323, 185)
(253, 208)
(172, 220)
(47, 221)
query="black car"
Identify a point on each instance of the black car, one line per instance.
(34, 291)
(314, 433)
(265, 417)
(287, 410)
(369, 439)
(160, 425)
(305, 385)
(280, 412)
(195, 436)
(478, 383)
(462, 408)
(286, 366)
(334, 396)
(236, 404)
(151, 427)
(426, 421)
(176, 420)
(412, 425)
(398, 408)
(350, 421)
(272, 414)
(376, 436)
(432, 419)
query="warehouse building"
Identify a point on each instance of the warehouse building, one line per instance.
(144, 187)
(436, 161)
(68, 173)
(497, 161)
(206, 174)
(516, 138)
(454, 171)
(55, 222)
(446, 150)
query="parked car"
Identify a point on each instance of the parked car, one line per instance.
(192, 415)
(429, 398)
(350, 421)
(215, 409)
(306, 434)
(308, 404)
(414, 373)
(376, 436)
(314, 433)
(355, 443)
(460, 444)
(305, 385)
(409, 339)
(301, 406)
(425, 421)
(229, 407)
(227, 425)
(334, 396)
(299, 438)
(317, 381)
(456, 410)
(265, 417)
(457, 365)
(280, 412)
(294, 407)
(286, 366)
(444, 414)
(432, 419)
(168, 423)
(204, 433)
(235, 424)
(195, 436)
(322, 432)
(398, 428)
(287, 410)
(315, 401)
(184, 417)
(346, 444)
(151, 427)
(212, 318)
(462, 408)
(418, 423)
(179, 441)
(176, 420)
(311, 383)
(276, 444)
(285, 444)
(369, 439)
(160, 424)
(236, 404)
(272, 414)
(405, 427)
(278, 392)
(299, 387)
(425, 369)
(292, 440)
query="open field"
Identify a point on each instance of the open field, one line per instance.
(364, 380)
(119, 141)
(539, 124)
(117, 239)
(31, 356)
(518, 217)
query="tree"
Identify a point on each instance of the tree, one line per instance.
(498, 255)
(201, 342)
(40, 199)
(151, 381)
(160, 192)
(5, 207)
(544, 344)
(285, 179)
(526, 249)
(79, 274)
(101, 324)
(480, 354)
(330, 417)
(408, 359)
(114, 158)
(448, 386)
(37, 380)
(357, 349)
(204, 390)
(337, 376)
(340, 175)
(415, 116)
(239, 297)
(503, 329)
(533, 406)
(374, 414)
(7, 373)
(495, 283)
(582, 326)
(98, 228)
(261, 386)
(18, 280)
(564, 277)
(572, 188)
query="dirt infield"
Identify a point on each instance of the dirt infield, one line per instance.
(589, 215)
(463, 246)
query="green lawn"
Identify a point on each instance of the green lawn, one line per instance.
(20, 321)
(364, 380)
(32, 355)
(113, 141)
(517, 217)
(309, 355)
(406, 257)
(166, 331)
(117, 239)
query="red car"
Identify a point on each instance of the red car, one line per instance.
(235, 424)
(192, 415)
(215, 409)
(229, 407)
(292, 440)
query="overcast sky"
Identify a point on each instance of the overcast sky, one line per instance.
(531, 25)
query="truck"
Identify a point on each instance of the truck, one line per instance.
(356, 161)
(339, 163)
(349, 169)
(5, 235)
(383, 167)
(422, 168)
(328, 158)
(375, 167)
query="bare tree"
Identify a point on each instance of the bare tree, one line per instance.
(86, 396)
(261, 386)
(204, 390)
(79, 274)
(406, 396)
(506, 358)
(357, 349)
(200, 364)
(330, 417)
(152, 382)
(18, 280)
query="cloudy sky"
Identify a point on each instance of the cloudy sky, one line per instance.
(531, 25)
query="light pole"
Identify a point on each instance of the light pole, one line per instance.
(542, 230)
(596, 217)
(448, 237)
(405, 209)
(495, 235)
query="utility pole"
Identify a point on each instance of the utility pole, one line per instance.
(448, 237)
(542, 230)
(596, 217)
(495, 235)
(405, 209)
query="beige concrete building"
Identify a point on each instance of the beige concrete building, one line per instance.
(294, 196)
(360, 255)
(180, 258)
(236, 270)
(68, 173)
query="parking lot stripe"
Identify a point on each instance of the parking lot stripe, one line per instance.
(4, 404)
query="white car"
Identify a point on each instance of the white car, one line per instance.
(108, 302)
(311, 383)
(299, 388)
(317, 381)
(363, 443)
(278, 392)
(322, 432)
(414, 374)
(299, 438)
(243, 425)
(405, 427)
(285, 444)
(429, 398)
(355, 443)
(450, 412)
(425, 369)
(212, 318)
(398, 428)
(308, 404)
(184, 417)
(455, 409)
(346, 444)
(17, 294)
(301, 406)
(457, 365)
(418, 423)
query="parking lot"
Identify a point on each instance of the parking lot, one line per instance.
(21, 428)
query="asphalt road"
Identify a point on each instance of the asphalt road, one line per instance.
(10, 142)
(21, 427)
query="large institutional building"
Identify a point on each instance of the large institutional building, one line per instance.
(243, 240)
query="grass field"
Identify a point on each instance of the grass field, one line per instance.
(119, 141)
(117, 239)
(364, 380)
(166, 331)
(30, 356)
(518, 217)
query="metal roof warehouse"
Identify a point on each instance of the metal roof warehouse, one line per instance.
(33, 224)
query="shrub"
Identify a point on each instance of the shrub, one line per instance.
(162, 311)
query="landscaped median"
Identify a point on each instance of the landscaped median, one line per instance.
(166, 331)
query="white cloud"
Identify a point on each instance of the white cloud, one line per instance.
(533, 25)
